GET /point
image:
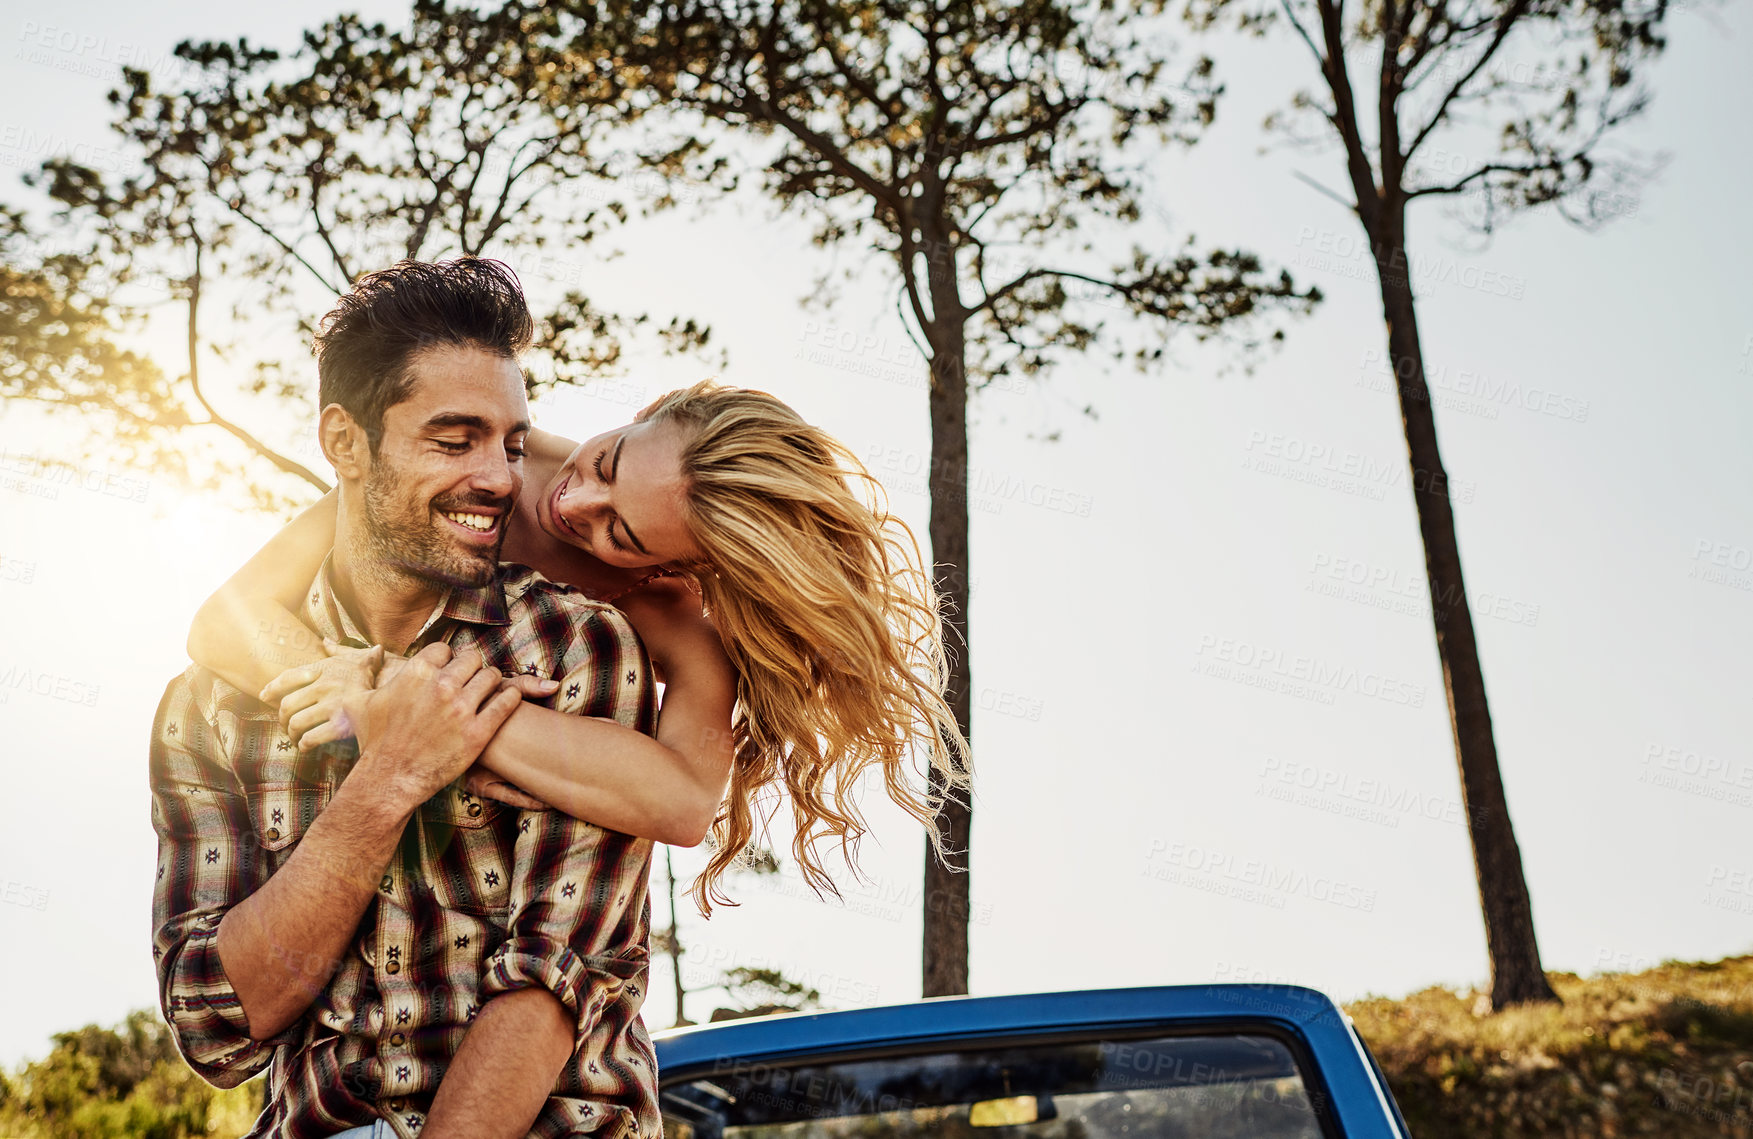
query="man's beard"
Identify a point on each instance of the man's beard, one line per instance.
(407, 537)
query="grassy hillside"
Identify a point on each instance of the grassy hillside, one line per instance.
(1667, 1052)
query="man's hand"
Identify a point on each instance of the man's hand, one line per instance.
(319, 702)
(423, 728)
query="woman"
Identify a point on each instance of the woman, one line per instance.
(818, 656)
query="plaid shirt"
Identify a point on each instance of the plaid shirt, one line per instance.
(479, 899)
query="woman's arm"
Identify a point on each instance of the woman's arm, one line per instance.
(248, 632)
(667, 789)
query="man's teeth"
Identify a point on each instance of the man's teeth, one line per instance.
(479, 522)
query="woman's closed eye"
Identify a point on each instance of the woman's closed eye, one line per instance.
(609, 526)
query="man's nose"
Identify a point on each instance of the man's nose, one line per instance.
(495, 474)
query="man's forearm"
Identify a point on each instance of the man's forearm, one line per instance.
(505, 1070)
(280, 946)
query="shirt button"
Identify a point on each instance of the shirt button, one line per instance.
(474, 809)
(397, 1040)
(273, 834)
(397, 1105)
(393, 967)
(385, 884)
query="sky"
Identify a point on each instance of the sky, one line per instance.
(1144, 579)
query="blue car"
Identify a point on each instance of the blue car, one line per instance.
(1206, 1061)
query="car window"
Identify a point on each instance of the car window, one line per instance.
(1210, 1087)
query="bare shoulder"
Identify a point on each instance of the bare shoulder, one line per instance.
(546, 451)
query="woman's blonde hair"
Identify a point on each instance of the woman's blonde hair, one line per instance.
(823, 604)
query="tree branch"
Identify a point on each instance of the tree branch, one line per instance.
(1391, 161)
(1488, 168)
(908, 254)
(1340, 198)
(824, 149)
(328, 240)
(236, 207)
(858, 82)
(1363, 181)
(1290, 14)
(1505, 23)
(290, 466)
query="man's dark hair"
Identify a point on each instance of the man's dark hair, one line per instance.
(365, 344)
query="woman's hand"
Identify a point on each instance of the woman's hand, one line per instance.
(319, 703)
(483, 784)
(313, 698)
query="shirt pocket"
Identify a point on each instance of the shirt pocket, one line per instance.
(280, 813)
(467, 856)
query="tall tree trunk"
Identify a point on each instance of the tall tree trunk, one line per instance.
(946, 886)
(1516, 975)
(669, 869)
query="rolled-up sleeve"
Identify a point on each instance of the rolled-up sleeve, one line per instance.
(207, 863)
(578, 921)
(579, 917)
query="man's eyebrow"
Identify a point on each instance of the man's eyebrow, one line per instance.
(465, 419)
(609, 477)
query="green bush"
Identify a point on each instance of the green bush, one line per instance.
(126, 1082)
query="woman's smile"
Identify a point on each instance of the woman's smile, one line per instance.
(559, 519)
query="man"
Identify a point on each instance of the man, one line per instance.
(413, 960)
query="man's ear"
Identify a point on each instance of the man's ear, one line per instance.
(344, 442)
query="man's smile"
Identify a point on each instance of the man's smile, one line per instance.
(477, 525)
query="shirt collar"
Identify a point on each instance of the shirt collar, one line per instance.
(482, 605)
